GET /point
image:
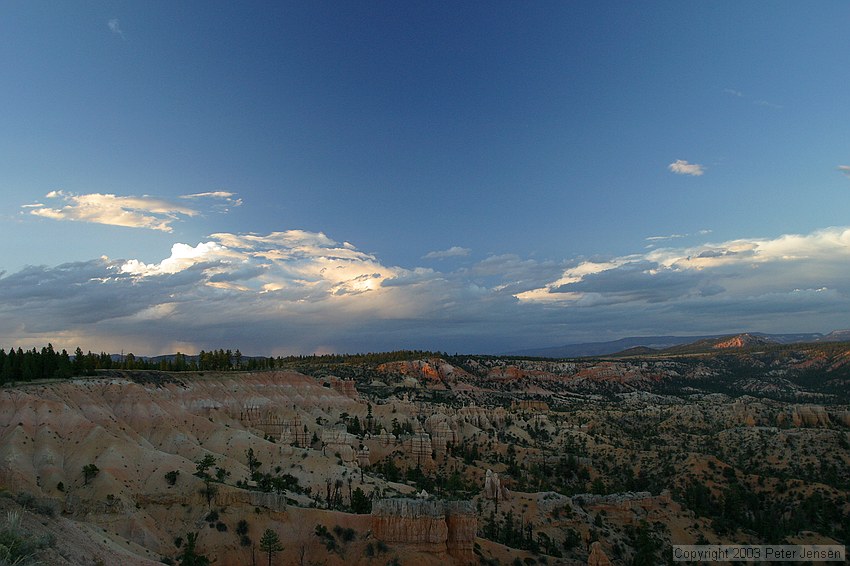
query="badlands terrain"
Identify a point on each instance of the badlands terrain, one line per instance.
(432, 459)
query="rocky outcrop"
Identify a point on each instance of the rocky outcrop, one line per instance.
(462, 524)
(431, 526)
(336, 441)
(493, 488)
(809, 415)
(420, 447)
(363, 456)
(344, 387)
(225, 497)
(481, 417)
(742, 341)
(385, 438)
(417, 523)
(433, 370)
(442, 433)
(597, 556)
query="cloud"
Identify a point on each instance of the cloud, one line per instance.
(299, 291)
(733, 92)
(845, 169)
(663, 238)
(129, 211)
(682, 167)
(454, 251)
(133, 212)
(115, 27)
(743, 267)
(229, 199)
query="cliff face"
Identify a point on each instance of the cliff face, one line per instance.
(462, 523)
(435, 527)
(417, 523)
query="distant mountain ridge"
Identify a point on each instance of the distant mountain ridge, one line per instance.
(645, 344)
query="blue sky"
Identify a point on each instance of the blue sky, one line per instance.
(478, 177)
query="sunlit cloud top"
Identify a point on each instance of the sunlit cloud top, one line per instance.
(129, 211)
(298, 291)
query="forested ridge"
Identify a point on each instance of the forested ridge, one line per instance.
(46, 363)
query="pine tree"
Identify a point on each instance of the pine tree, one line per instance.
(270, 543)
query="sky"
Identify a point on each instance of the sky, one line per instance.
(474, 177)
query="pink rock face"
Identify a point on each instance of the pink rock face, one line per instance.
(462, 525)
(436, 527)
(432, 369)
(344, 387)
(420, 524)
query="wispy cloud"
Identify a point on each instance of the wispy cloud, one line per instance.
(229, 199)
(682, 167)
(845, 169)
(656, 240)
(454, 251)
(115, 27)
(757, 102)
(129, 211)
(663, 238)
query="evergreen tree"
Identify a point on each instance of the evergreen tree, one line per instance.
(270, 544)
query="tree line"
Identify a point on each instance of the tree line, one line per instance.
(47, 363)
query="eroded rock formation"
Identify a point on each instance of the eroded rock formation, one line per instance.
(493, 488)
(597, 556)
(338, 441)
(344, 386)
(432, 526)
(420, 447)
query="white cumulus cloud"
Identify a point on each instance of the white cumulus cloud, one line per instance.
(682, 167)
